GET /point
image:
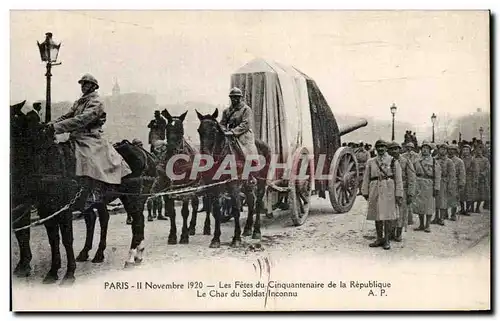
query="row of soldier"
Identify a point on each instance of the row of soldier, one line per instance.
(399, 182)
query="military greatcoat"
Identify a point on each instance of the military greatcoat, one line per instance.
(409, 184)
(448, 183)
(239, 119)
(428, 179)
(471, 179)
(95, 156)
(382, 182)
(483, 181)
(460, 179)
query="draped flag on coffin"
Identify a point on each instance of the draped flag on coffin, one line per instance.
(289, 111)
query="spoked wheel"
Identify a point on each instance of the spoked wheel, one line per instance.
(300, 186)
(343, 185)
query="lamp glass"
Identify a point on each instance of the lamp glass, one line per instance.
(393, 109)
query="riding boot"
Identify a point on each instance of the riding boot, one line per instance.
(427, 225)
(478, 204)
(442, 214)
(410, 217)
(436, 217)
(421, 227)
(399, 234)
(379, 227)
(453, 214)
(387, 235)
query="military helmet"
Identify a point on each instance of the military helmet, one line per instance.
(453, 146)
(137, 141)
(380, 142)
(466, 146)
(235, 92)
(89, 78)
(442, 145)
(409, 144)
(392, 145)
(426, 143)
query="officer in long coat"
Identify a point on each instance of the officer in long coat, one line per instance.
(409, 180)
(97, 161)
(460, 179)
(428, 178)
(383, 189)
(410, 154)
(238, 120)
(447, 185)
(471, 180)
(483, 182)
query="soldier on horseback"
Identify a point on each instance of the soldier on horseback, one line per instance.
(238, 121)
(98, 164)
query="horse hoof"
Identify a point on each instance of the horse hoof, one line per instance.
(129, 265)
(256, 236)
(98, 258)
(236, 243)
(214, 244)
(68, 280)
(172, 241)
(184, 240)
(82, 257)
(138, 260)
(247, 232)
(162, 218)
(50, 278)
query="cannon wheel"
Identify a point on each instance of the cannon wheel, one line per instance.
(299, 195)
(343, 185)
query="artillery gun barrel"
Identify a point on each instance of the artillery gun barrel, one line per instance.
(344, 130)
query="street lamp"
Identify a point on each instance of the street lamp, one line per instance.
(433, 119)
(393, 112)
(48, 53)
(481, 130)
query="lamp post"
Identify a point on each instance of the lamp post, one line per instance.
(48, 53)
(433, 120)
(393, 112)
(481, 130)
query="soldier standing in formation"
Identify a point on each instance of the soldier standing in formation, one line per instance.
(383, 189)
(447, 184)
(428, 179)
(412, 156)
(483, 182)
(409, 180)
(468, 196)
(460, 180)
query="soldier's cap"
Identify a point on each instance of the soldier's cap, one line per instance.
(380, 142)
(393, 145)
(466, 146)
(409, 144)
(453, 146)
(235, 92)
(442, 145)
(426, 143)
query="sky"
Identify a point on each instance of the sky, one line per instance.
(363, 61)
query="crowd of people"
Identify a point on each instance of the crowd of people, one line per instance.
(436, 182)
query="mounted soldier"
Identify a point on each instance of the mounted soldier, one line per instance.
(98, 164)
(238, 120)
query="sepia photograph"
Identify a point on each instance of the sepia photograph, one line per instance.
(250, 160)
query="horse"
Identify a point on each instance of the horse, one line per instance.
(214, 142)
(54, 184)
(177, 145)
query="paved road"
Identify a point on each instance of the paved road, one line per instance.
(323, 233)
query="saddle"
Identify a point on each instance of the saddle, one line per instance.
(60, 160)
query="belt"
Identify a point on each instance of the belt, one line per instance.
(381, 178)
(425, 176)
